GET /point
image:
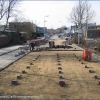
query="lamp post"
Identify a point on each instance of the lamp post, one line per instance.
(79, 22)
(44, 23)
(62, 25)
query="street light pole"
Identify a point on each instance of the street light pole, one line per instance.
(44, 26)
(44, 23)
(62, 25)
(79, 21)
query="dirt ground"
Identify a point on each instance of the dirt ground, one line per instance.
(42, 79)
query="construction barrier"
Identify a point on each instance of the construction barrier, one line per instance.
(87, 55)
(37, 41)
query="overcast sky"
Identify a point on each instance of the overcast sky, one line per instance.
(57, 11)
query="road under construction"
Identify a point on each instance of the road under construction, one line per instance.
(50, 73)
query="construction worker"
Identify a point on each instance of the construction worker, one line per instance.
(53, 44)
(31, 46)
(49, 43)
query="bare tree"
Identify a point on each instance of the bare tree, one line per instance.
(23, 24)
(7, 7)
(36, 23)
(18, 20)
(81, 14)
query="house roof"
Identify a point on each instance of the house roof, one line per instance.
(2, 29)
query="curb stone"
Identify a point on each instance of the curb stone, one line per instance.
(4, 67)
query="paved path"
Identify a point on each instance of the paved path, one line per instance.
(10, 54)
(93, 54)
(77, 47)
(96, 56)
(9, 49)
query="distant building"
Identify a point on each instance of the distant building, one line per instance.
(58, 30)
(92, 33)
(74, 29)
(22, 27)
(91, 26)
(40, 31)
(3, 28)
(61, 30)
(98, 26)
(85, 27)
(51, 31)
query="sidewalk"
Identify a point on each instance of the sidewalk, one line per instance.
(9, 49)
(93, 54)
(77, 47)
(8, 55)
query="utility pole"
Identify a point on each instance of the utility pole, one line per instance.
(62, 26)
(44, 23)
(79, 20)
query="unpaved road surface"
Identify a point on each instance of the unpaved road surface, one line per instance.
(42, 78)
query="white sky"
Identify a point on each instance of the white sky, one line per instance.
(57, 11)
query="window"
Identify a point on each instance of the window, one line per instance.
(91, 35)
(14, 25)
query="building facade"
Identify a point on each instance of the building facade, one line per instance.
(84, 27)
(40, 31)
(98, 26)
(22, 27)
(92, 33)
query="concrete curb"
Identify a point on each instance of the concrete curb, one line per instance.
(63, 50)
(93, 54)
(7, 65)
(77, 47)
(13, 62)
(8, 52)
